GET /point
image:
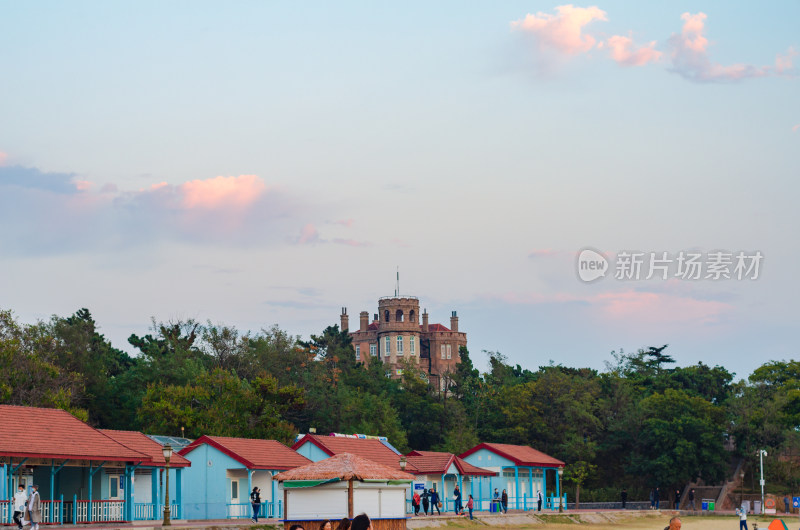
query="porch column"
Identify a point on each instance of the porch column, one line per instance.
(461, 488)
(154, 490)
(274, 492)
(4, 483)
(530, 478)
(516, 485)
(249, 483)
(179, 491)
(544, 487)
(89, 506)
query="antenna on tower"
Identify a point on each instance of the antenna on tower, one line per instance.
(397, 285)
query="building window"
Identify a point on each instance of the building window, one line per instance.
(399, 315)
(412, 345)
(235, 490)
(373, 349)
(399, 345)
(358, 353)
(449, 353)
(388, 346)
(444, 351)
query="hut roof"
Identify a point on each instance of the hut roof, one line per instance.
(521, 455)
(344, 466)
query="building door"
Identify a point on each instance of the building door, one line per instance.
(115, 487)
(234, 491)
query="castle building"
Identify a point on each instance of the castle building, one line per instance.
(395, 334)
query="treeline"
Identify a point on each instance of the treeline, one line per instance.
(640, 422)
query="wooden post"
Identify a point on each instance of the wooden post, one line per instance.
(285, 507)
(350, 499)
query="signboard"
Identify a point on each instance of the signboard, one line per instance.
(419, 487)
(795, 502)
(769, 506)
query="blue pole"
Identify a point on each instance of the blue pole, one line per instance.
(89, 508)
(558, 487)
(52, 482)
(61, 511)
(154, 491)
(273, 495)
(516, 485)
(75, 509)
(544, 486)
(179, 491)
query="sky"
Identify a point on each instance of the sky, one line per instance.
(268, 163)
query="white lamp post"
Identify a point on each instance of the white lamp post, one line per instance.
(167, 452)
(761, 454)
(561, 495)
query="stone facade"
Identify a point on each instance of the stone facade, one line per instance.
(395, 333)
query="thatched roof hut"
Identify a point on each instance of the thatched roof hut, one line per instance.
(343, 486)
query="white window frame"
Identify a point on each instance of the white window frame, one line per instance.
(412, 345)
(120, 490)
(388, 343)
(373, 350)
(237, 499)
(400, 345)
(358, 352)
(449, 352)
(443, 351)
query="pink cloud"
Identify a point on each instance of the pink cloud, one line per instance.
(634, 306)
(351, 242)
(796, 128)
(784, 63)
(542, 253)
(238, 191)
(690, 55)
(308, 235)
(82, 185)
(624, 52)
(344, 222)
(3, 158)
(564, 31)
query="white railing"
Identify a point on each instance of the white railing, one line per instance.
(6, 513)
(51, 512)
(144, 511)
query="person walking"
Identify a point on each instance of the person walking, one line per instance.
(787, 505)
(425, 500)
(742, 513)
(458, 508)
(504, 500)
(35, 508)
(20, 499)
(470, 505)
(435, 501)
(624, 497)
(255, 502)
(677, 499)
(652, 499)
(657, 497)
(539, 500)
(415, 500)
(691, 499)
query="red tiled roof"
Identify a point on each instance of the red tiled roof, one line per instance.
(253, 454)
(436, 327)
(344, 467)
(370, 449)
(433, 462)
(521, 455)
(53, 433)
(373, 326)
(143, 444)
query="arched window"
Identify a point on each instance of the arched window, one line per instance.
(386, 316)
(399, 315)
(412, 316)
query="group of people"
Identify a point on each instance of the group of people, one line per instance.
(430, 499)
(27, 508)
(655, 499)
(359, 522)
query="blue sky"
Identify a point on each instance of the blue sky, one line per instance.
(260, 163)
